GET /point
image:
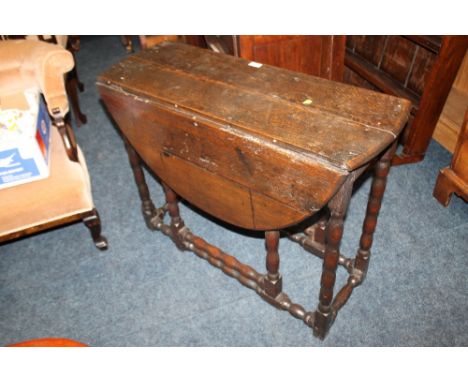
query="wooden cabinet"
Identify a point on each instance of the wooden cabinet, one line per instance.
(454, 179)
(451, 119)
(321, 56)
(419, 68)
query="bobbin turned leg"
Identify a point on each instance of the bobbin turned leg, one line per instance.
(177, 224)
(379, 183)
(147, 207)
(338, 207)
(273, 281)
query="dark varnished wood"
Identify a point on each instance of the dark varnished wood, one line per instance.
(320, 56)
(90, 218)
(204, 125)
(397, 58)
(429, 42)
(436, 90)
(127, 42)
(377, 191)
(177, 224)
(338, 207)
(232, 267)
(73, 86)
(67, 135)
(352, 77)
(147, 207)
(241, 144)
(418, 68)
(93, 222)
(219, 158)
(422, 65)
(273, 281)
(224, 88)
(369, 47)
(73, 83)
(376, 78)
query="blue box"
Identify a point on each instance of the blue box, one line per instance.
(24, 143)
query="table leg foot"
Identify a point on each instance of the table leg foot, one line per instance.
(93, 222)
(443, 189)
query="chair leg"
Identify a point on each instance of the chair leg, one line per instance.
(73, 85)
(73, 46)
(93, 222)
(334, 232)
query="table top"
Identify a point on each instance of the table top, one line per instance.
(344, 125)
(254, 145)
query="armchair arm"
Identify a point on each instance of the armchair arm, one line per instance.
(28, 64)
(68, 137)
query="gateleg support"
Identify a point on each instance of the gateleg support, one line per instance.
(177, 224)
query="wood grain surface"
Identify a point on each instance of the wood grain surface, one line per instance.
(261, 148)
(320, 115)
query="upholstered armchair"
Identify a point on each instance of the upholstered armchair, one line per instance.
(73, 85)
(65, 195)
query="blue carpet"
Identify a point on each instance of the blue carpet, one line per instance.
(144, 292)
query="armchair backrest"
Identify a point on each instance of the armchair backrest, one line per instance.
(28, 64)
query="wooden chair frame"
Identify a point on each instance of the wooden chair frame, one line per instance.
(90, 218)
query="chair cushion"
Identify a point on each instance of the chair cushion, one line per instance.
(65, 192)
